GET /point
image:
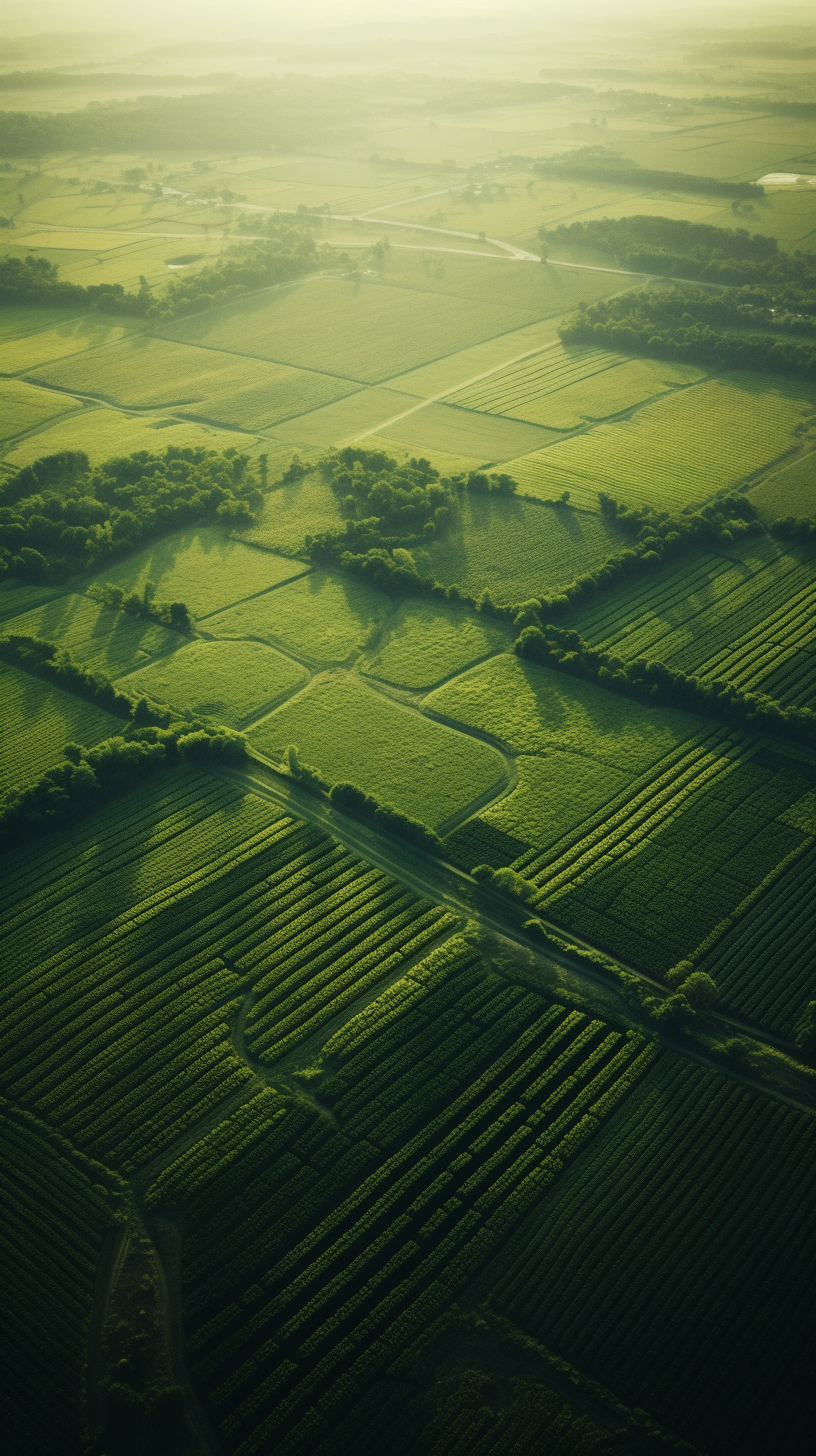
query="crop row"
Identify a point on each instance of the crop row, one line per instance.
(691, 1151)
(333, 1254)
(513, 388)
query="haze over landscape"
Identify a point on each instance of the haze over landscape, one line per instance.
(407, 602)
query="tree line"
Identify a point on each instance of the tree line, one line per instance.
(597, 164)
(690, 324)
(61, 516)
(350, 799)
(45, 659)
(673, 247)
(175, 615)
(90, 775)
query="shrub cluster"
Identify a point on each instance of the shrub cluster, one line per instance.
(351, 800)
(792, 528)
(61, 516)
(35, 280)
(141, 604)
(88, 775)
(55, 664)
(655, 682)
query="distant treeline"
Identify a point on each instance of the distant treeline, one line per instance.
(288, 252)
(674, 248)
(596, 164)
(106, 80)
(90, 775)
(60, 516)
(692, 324)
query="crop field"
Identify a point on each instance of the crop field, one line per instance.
(675, 452)
(155, 373)
(58, 718)
(24, 408)
(568, 384)
(671, 1320)
(345, 418)
(490, 439)
(748, 621)
(96, 636)
(353, 734)
(362, 331)
(228, 682)
(291, 512)
(537, 710)
(57, 1215)
(790, 491)
(517, 548)
(319, 617)
(424, 643)
(687, 850)
(204, 569)
(53, 336)
(103, 433)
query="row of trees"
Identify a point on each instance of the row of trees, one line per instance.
(655, 682)
(598, 164)
(55, 664)
(89, 775)
(175, 615)
(350, 799)
(100, 513)
(37, 281)
(690, 324)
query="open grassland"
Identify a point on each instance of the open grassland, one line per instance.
(763, 962)
(57, 1214)
(292, 512)
(229, 682)
(38, 720)
(686, 849)
(751, 621)
(103, 433)
(566, 385)
(156, 373)
(37, 336)
(790, 491)
(425, 642)
(675, 452)
(362, 331)
(24, 408)
(489, 439)
(98, 637)
(320, 617)
(353, 734)
(517, 548)
(536, 710)
(202, 568)
(675, 1256)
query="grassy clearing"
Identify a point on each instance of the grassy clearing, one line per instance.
(291, 512)
(320, 617)
(103, 433)
(99, 638)
(352, 733)
(26, 350)
(517, 548)
(156, 373)
(535, 709)
(231, 682)
(749, 621)
(38, 720)
(202, 568)
(427, 642)
(363, 331)
(23, 407)
(464, 432)
(790, 491)
(677, 451)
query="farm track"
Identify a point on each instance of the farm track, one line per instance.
(445, 885)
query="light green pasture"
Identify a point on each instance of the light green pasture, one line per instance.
(427, 641)
(96, 636)
(38, 720)
(23, 407)
(230, 682)
(103, 433)
(319, 617)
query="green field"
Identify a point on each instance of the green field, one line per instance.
(464, 432)
(102, 433)
(155, 373)
(24, 407)
(352, 733)
(790, 491)
(204, 569)
(59, 717)
(230, 683)
(26, 348)
(98, 637)
(292, 512)
(321, 618)
(424, 643)
(517, 549)
(677, 451)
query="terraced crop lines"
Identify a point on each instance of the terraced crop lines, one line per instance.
(514, 391)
